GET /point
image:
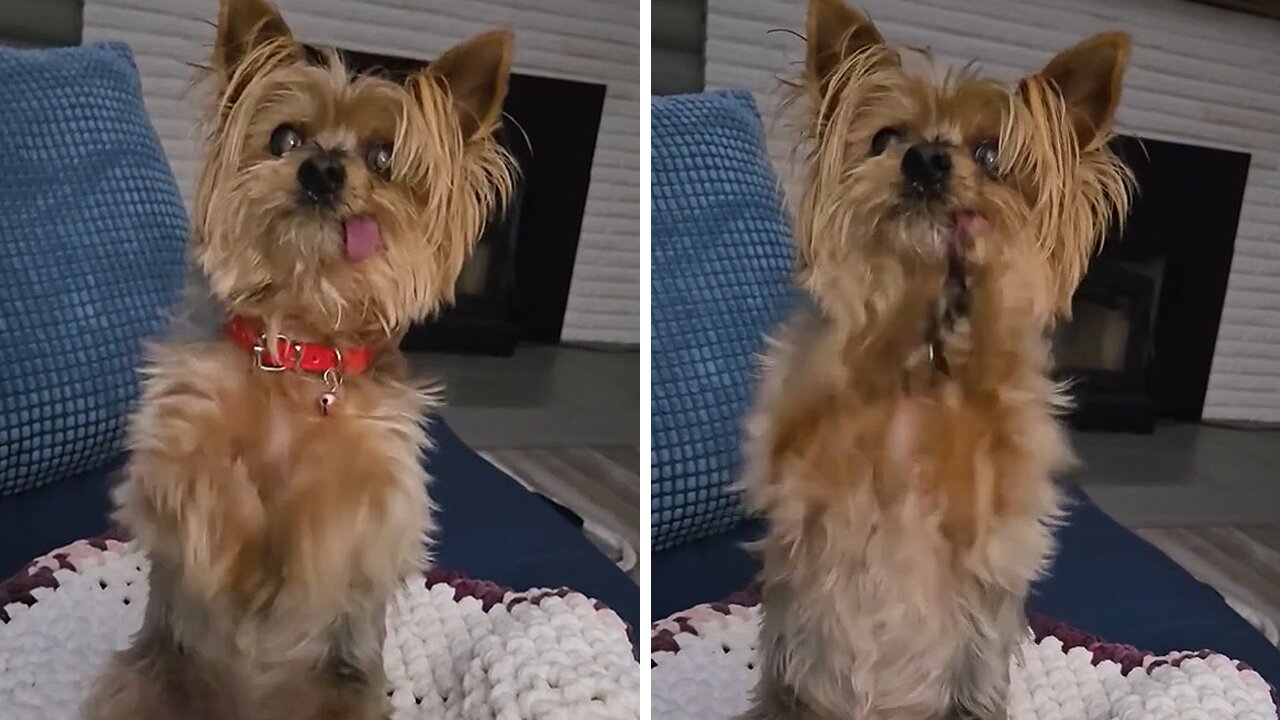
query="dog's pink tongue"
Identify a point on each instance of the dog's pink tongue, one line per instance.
(965, 225)
(361, 236)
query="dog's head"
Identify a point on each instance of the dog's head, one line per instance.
(346, 203)
(918, 171)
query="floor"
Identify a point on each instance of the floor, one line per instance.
(1183, 474)
(543, 396)
(1242, 562)
(564, 421)
(1208, 496)
(599, 484)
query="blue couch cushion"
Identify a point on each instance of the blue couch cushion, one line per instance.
(721, 279)
(92, 237)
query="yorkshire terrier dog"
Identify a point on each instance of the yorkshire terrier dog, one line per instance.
(275, 479)
(905, 434)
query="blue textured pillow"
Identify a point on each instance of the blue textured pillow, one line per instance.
(92, 238)
(721, 279)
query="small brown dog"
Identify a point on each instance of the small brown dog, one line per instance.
(904, 438)
(275, 478)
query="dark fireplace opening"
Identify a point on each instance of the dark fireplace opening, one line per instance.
(483, 317)
(1144, 325)
(515, 286)
(1106, 346)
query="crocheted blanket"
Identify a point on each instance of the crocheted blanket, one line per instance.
(456, 648)
(704, 668)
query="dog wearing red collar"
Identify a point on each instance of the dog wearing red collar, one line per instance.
(275, 479)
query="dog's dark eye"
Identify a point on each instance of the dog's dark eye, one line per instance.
(378, 158)
(880, 142)
(986, 156)
(285, 138)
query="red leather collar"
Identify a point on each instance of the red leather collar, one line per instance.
(299, 356)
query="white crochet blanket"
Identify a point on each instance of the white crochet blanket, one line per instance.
(704, 668)
(455, 648)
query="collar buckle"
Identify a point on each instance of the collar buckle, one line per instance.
(261, 356)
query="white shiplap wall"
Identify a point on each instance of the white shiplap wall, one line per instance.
(1198, 74)
(588, 40)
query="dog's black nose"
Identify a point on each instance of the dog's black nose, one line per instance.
(926, 167)
(322, 176)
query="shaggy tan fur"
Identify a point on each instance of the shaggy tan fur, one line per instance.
(909, 499)
(277, 533)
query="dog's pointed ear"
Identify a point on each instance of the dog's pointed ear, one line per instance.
(476, 74)
(834, 31)
(1089, 76)
(242, 26)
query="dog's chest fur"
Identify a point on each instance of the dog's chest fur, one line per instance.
(905, 517)
(249, 498)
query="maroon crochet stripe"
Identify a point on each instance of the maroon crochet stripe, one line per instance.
(491, 594)
(1124, 655)
(664, 639)
(1177, 659)
(19, 587)
(1127, 657)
